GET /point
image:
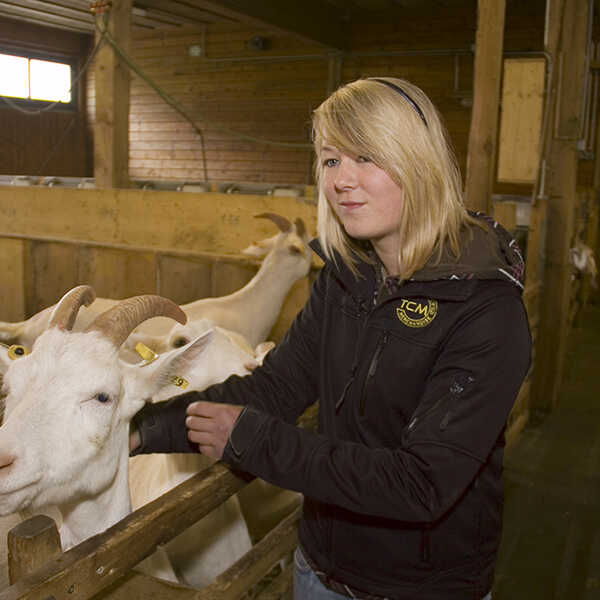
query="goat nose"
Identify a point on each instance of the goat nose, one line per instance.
(6, 459)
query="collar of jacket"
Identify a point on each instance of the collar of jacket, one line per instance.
(365, 282)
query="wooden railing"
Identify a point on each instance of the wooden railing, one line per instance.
(100, 567)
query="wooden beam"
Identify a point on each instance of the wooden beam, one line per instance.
(111, 131)
(483, 133)
(567, 19)
(311, 20)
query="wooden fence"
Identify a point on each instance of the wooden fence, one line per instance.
(100, 567)
(184, 246)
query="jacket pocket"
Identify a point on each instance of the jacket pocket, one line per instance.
(444, 405)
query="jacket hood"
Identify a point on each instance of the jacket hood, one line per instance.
(490, 253)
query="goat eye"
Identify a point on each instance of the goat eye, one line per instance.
(180, 342)
(103, 398)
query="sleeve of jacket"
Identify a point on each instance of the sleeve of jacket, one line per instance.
(285, 385)
(457, 424)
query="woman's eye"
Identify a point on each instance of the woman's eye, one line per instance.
(329, 162)
(103, 398)
(363, 159)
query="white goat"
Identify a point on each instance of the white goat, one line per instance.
(251, 311)
(64, 440)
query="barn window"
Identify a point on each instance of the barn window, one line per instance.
(36, 79)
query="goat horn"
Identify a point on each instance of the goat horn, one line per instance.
(300, 227)
(65, 312)
(281, 222)
(119, 321)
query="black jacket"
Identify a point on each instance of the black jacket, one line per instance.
(403, 481)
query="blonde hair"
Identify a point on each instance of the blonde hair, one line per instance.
(406, 138)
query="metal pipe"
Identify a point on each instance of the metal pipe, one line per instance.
(280, 57)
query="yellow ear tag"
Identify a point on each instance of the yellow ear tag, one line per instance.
(147, 354)
(16, 351)
(179, 381)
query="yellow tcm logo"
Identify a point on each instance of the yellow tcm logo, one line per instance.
(417, 314)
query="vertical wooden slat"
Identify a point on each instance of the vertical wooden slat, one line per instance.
(111, 131)
(567, 20)
(117, 273)
(489, 42)
(183, 279)
(52, 270)
(12, 292)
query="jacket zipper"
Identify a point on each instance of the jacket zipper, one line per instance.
(372, 370)
(416, 418)
(362, 314)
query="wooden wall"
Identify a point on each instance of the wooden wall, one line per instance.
(54, 142)
(251, 92)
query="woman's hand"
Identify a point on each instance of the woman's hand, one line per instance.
(209, 425)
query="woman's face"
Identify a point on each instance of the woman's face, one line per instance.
(366, 200)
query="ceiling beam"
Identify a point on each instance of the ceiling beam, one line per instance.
(185, 10)
(311, 20)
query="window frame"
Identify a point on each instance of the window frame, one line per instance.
(30, 54)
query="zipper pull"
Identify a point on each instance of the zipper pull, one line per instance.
(339, 403)
(444, 422)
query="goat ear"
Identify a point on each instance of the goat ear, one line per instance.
(168, 370)
(261, 248)
(178, 361)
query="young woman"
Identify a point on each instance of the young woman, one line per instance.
(414, 341)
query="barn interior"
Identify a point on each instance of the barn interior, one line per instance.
(187, 118)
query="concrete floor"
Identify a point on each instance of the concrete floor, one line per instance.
(551, 542)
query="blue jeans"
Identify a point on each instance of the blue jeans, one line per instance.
(307, 586)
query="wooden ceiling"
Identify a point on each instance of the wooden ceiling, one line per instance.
(321, 21)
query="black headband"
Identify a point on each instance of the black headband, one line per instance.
(404, 95)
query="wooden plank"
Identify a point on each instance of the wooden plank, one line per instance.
(230, 585)
(484, 120)
(208, 223)
(12, 291)
(521, 120)
(111, 127)
(281, 587)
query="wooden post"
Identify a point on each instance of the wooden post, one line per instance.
(31, 544)
(111, 131)
(489, 42)
(567, 20)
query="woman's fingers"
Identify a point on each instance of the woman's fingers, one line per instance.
(210, 424)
